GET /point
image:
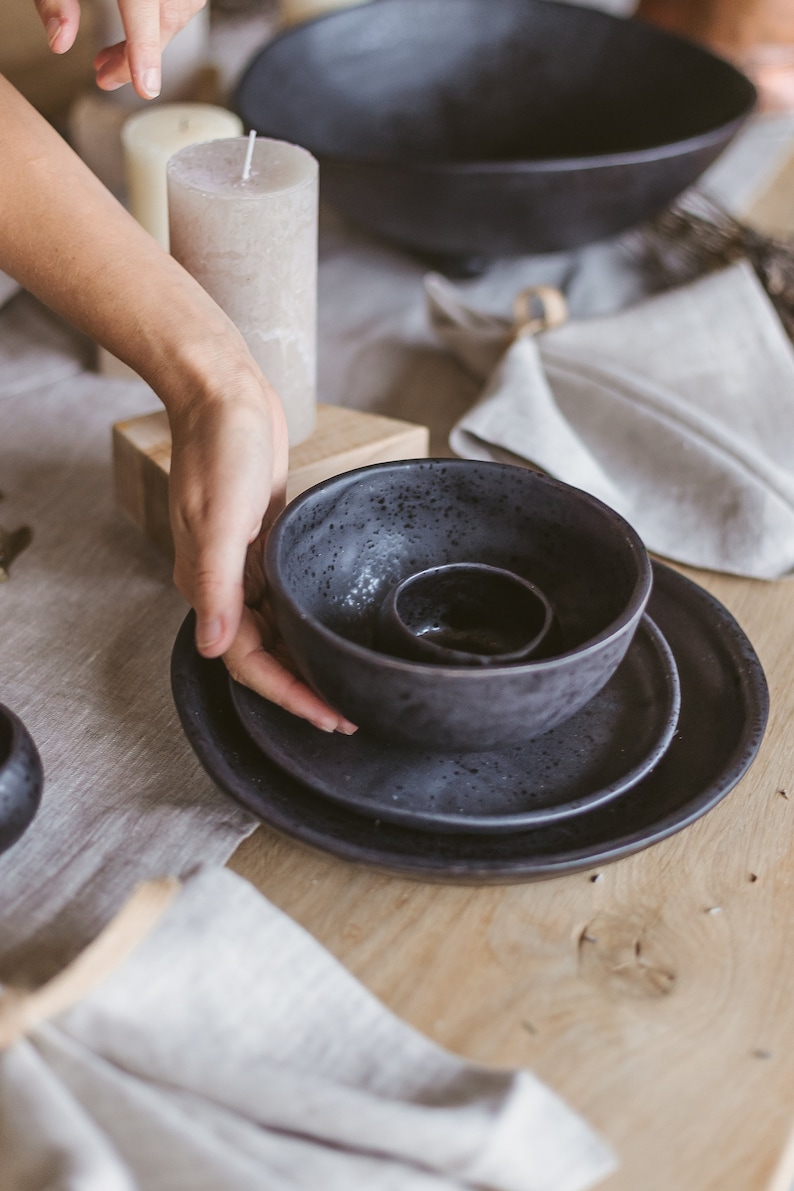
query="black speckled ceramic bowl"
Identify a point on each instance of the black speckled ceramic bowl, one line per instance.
(21, 778)
(339, 548)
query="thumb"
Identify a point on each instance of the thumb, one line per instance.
(61, 20)
(142, 29)
(211, 579)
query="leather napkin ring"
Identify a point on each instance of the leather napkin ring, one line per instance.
(21, 1010)
(538, 308)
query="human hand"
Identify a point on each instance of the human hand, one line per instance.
(227, 484)
(149, 25)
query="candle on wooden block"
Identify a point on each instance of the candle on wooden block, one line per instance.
(150, 138)
(252, 243)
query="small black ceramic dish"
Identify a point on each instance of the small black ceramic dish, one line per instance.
(602, 751)
(724, 708)
(461, 128)
(466, 614)
(340, 547)
(21, 778)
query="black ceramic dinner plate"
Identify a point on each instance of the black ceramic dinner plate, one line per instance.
(724, 707)
(605, 749)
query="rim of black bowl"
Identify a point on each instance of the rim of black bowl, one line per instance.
(15, 728)
(717, 132)
(635, 606)
(18, 735)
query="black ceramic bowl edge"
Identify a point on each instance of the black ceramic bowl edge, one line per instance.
(21, 778)
(635, 606)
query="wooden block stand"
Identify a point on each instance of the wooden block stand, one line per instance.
(343, 439)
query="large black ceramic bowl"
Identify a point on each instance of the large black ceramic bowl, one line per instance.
(21, 778)
(495, 127)
(339, 548)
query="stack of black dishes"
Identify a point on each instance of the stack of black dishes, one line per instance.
(465, 129)
(533, 695)
(21, 778)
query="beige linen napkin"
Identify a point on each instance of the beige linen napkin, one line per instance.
(678, 412)
(228, 1049)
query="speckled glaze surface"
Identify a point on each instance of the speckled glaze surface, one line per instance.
(341, 546)
(724, 708)
(602, 751)
(21, 778)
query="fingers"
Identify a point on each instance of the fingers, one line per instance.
(228, 478)
(224, 626)
(226, 470)
(142, 28)
(61, 20)
(111, 67)
(220, 570)
(214, 588)
(249, 662)
(149, 25)
(213, 519)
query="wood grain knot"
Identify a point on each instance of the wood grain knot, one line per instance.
(619, 954)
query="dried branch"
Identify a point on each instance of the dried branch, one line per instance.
(696, 236)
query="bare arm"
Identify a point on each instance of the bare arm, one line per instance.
(65, 238)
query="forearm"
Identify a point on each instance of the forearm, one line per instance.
(67, 240)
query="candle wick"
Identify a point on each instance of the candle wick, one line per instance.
(184, 125)
(249, 155)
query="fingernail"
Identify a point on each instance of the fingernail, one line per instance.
(208, 633)
(150, 81)
(347, 729)
(324, 725)
(53, 30)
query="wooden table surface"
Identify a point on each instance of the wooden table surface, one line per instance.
(658, 999)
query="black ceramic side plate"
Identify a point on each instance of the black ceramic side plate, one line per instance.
(606, 748)
(724, 707)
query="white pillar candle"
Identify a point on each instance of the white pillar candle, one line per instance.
(252, 244)
(149, 138)
(293, 12)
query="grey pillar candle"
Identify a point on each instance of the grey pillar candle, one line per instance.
(252, 243)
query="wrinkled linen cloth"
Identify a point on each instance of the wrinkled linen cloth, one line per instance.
(89, 615)
(678, 412)
(231, 1050)
(87, 621)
